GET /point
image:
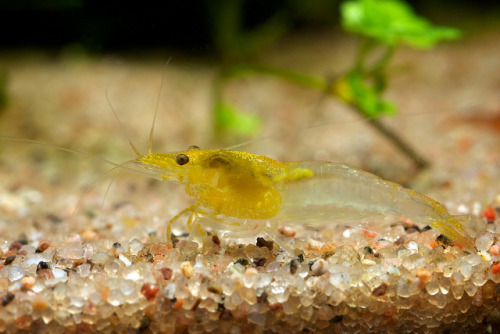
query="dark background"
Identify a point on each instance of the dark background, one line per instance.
(195, 26)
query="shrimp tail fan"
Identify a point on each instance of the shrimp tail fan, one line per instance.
(455, 228)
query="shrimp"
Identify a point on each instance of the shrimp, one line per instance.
(245, 194)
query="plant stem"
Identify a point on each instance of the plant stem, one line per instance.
(398, 141)
(298, 78)
(381, 63)
(366, 45)
(324, 85)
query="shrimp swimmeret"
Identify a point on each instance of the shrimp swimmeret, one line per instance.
(235, 191)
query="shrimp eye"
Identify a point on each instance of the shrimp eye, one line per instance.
(193, 147)
(181, 159)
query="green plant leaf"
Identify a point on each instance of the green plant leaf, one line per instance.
(229, 119)
(392, 22)
(366, 98)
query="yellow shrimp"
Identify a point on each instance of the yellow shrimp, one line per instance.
(244, 194)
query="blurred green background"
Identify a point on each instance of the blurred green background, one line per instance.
(200, 27)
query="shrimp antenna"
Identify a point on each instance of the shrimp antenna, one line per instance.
(101, 209)
(299, 129)
(122, 127)
(102, 177)
(315, 126)
(112, 173)
(151, 132)
(83, 154)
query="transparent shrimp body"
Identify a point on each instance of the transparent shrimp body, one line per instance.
(243, 194)
(344, 193)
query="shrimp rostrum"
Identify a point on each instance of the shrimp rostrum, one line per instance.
(242, 194)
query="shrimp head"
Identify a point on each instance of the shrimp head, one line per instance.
(232, 183)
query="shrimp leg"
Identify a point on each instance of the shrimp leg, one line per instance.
(173, 219)
(262, 227)
(194, 219)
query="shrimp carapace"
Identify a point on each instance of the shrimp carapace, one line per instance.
(232, 183)
(237, 191)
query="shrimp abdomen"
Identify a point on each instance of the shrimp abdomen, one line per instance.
(347, 193)
(343, 186)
